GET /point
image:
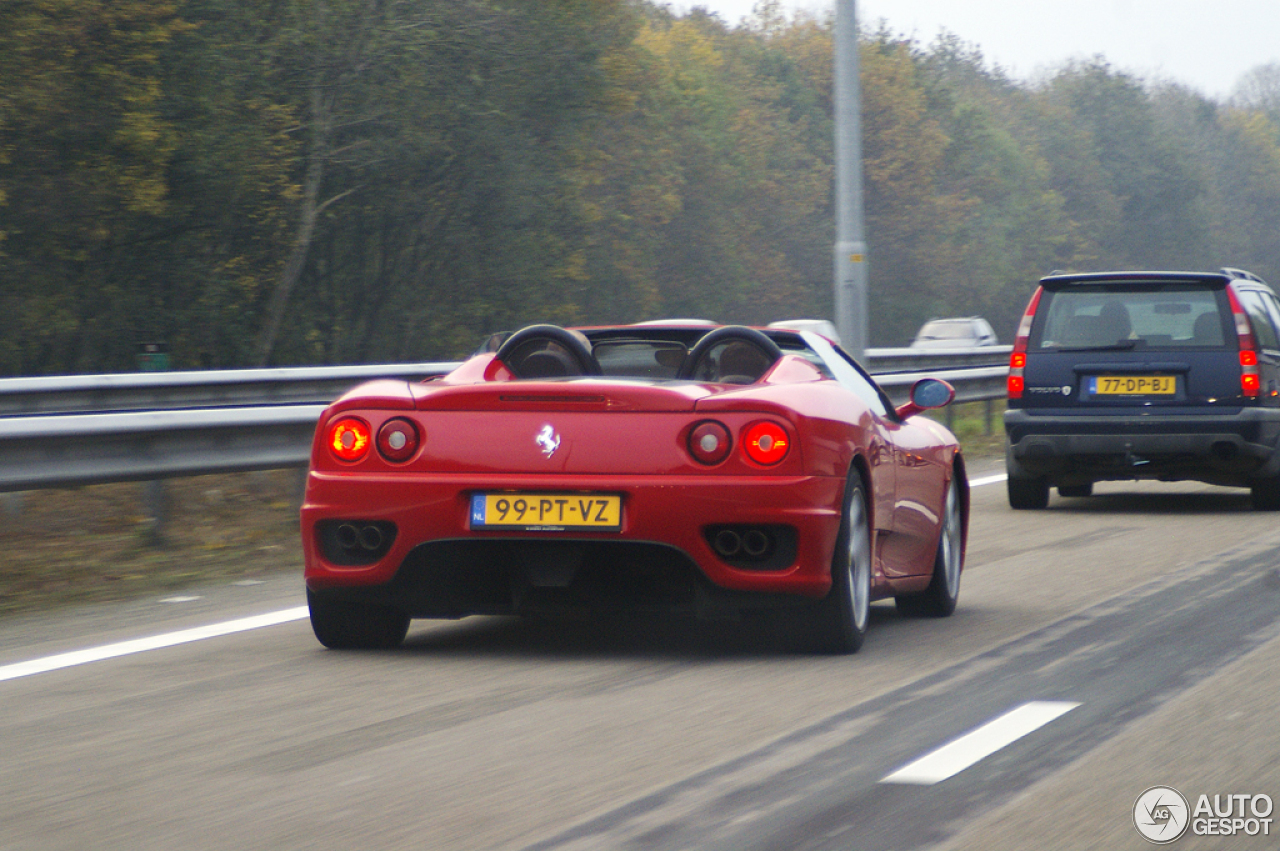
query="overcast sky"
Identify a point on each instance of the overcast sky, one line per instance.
(1207, 44)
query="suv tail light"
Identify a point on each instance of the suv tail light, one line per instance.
(1250, 381)
(1018, 360)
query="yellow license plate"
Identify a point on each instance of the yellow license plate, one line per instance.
(1135, 385)
(547, 512)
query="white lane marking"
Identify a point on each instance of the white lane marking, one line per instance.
(987, 480)
(155, 642)
(959, 754)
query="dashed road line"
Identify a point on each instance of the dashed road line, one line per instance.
(142, 645)
(980, 743)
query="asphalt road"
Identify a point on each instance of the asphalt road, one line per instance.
(1101, 647)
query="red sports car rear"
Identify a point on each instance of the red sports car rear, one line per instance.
(529, 480)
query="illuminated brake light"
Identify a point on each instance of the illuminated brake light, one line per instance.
(766, 443)
(1250, 381)
(398, 440)
(349, 438)
(1018, 360)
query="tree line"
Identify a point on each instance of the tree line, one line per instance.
(342, 181)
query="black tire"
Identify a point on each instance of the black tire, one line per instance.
(341, 625)
(1026, 492)
(1085, 489)
(837, 624)
(939, 599)
(1265, 494)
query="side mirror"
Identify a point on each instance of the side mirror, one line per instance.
(926, 395)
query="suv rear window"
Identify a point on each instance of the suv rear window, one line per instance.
(1131, 315)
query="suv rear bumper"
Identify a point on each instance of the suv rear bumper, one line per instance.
(1225, 448)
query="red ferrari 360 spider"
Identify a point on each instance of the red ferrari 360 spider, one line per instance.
(703, 469)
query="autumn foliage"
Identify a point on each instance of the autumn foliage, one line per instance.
(338, 181)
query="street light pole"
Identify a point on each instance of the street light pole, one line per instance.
(851, 247)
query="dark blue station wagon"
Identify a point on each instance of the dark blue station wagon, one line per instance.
(1145, 375)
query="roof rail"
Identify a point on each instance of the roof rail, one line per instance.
(1241, 273)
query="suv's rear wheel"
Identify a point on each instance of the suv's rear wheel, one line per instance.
(1265, 494)
(1026, 492)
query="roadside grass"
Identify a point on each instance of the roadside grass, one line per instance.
(99, 543)
(979, 428)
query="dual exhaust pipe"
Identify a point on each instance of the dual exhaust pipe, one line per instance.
(355, 542)
(734, 543)
(352, 537)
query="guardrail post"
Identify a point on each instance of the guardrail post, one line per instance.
(154, 357)
(155, 499)
(12, 503)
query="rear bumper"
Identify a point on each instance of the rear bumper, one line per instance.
(1226, 448)
(436, 565)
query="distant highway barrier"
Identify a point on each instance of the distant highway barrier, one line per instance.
(77, 430)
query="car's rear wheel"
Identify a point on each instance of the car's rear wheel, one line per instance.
(939, 599)
(342, 625)
(1265, 494)
(838, 622)
(1085, 489)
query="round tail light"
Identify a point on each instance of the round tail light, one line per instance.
(709, 442)
(349, 438)
(398, 440)
(766, 443)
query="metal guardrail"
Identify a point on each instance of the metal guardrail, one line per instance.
(78, 449)
(155, 391)
(888, 361)
(76, 430)
(241, 388)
